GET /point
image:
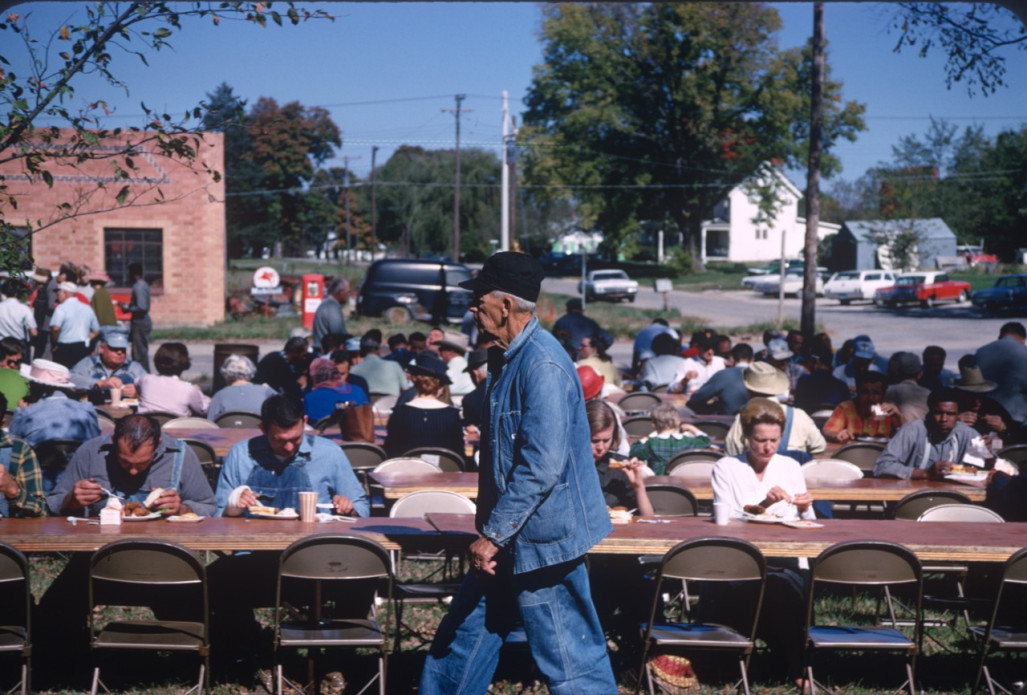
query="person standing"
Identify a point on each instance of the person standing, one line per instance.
(540, 506)
(73, 326)
(42, 309)
(1004, 361)
(16, 318)
(329, 318)
(139, 306)
(101, 302)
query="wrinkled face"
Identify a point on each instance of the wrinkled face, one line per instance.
(763, 443)
(942, 418)
(135, 462)
(586, 349)
(112, 358)
(489, 313)
(284, 441)
(601, 442)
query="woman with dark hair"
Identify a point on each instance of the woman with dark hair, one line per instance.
(165, 392)
(592, 352)
(621, 482)
(428, 419)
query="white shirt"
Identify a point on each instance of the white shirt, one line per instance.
(694, 364)
(462, 384)
(16, 319)
(735, 482)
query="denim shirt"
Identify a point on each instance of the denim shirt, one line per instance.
(538, 492)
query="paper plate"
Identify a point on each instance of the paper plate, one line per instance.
(279, 516)
(967, 477)
(761, 518)
(148, 517)
(185, 519)
(802, 523)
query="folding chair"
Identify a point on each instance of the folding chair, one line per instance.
(714, 428)
(15, 610)
(103, 419)
(867, 564)
(415, 506)
(706, 560)
(363, 457)
(197, 423)
(327, 585)
(638, 426)
(863, 454)
(119, 575)
(161, 417)
(672, 500)
(208, 460)
(1007, 627)
(693, 456)
(446, 459)
(237, 419)
(638, 403)
(696, 468)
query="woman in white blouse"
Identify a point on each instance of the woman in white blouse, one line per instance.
(761, 476)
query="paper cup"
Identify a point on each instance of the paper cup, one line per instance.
(721, 513)
(115, 397)
(308, 506)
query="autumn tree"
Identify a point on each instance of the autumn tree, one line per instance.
(656, 111)
(54, 58)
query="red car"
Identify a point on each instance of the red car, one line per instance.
(925, 288)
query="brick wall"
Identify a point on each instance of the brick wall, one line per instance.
(184, 202)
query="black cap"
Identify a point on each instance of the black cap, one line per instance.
(507, 271)
(476, 358)
(426, 365)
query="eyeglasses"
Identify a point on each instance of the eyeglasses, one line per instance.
(12, 362)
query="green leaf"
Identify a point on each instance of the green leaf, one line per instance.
(122, 195)
(48, 178)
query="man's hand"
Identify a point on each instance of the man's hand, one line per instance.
(129, 391)
(939, 470)
(343, 504)
(995, 423)
(169, 503)
(968, 418)
(482, 551)
(8, 485)
(110, 383)
(86, 493)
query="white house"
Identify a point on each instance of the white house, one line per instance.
(740, 231)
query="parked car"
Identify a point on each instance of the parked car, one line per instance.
(974, 255)
(774, 267)
(923, 287)
(1009, 293)
(613, 285)
(771, 284)
(404, 288)
(852, 285)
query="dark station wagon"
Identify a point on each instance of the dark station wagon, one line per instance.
(403, 288)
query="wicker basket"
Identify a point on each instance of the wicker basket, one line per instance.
(673, 674)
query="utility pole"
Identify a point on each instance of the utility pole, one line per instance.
(504, 196)
(456, 188)
(809, 290)
(349, 229)
(374, 204)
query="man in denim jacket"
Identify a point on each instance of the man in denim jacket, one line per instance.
(540, 507)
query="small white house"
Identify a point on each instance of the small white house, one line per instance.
(740, 231)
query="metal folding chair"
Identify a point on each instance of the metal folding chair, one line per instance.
(15, 613)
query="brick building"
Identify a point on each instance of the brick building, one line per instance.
(173, 222)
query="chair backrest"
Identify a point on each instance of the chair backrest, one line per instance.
(1016, 453)
(863, 454)
(714, 428)
(692, 469)
(715, 558)
(15, 595)
(237, 419)
(150, 562)
(961, 512)
(334, 556)
(693, 456)
(639, 402)
(446, 459)
(53, 456)
(916, 503)
(638, 426)
(204, 451)
(190, 422)
(363, 455)
(871, 563)
(672, 500)
(831, 469)
(416, 504)
(103, 419)
(161, 417)
(406, 465)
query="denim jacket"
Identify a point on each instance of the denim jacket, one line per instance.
(538, 492)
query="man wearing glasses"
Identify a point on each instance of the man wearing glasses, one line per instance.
(110, 367)
(13, 385)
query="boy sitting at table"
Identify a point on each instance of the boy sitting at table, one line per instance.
(669, 437)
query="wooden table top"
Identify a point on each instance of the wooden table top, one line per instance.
(396, 485)
(962, 542)
(57, 534)
(862, 490)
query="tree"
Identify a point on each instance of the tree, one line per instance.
(657, 111)
(77, 136)
(974, 36)
(283, 147)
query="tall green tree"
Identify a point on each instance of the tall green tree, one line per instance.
(657, 111)
(54, 58)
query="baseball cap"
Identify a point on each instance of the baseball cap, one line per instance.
(778, 349)
(115, 337)
(864, 350)
(508, 271)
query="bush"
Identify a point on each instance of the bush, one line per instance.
(680, 264)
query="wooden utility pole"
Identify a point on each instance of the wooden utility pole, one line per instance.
(809, 280)
(374, 204)
(456, 187)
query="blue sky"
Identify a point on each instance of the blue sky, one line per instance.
(387, 71)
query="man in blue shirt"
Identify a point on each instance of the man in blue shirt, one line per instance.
(110, 367)
(540, 507)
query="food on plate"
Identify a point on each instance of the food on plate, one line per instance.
(135, 509)
(287, 511)
(151, 499)
(189, 515)
(754, 509)
(257, 509)
(963, 468)
(619, 515)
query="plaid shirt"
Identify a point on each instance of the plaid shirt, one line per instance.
(658, 451)
(24, 468)
(846, 417)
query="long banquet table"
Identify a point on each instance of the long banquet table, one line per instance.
(979, 542)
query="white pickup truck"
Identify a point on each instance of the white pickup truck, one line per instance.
(613, 285)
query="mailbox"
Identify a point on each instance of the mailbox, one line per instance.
(311, 295)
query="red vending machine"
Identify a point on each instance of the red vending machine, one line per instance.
(313, 293)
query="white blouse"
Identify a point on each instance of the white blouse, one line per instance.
(735, 482)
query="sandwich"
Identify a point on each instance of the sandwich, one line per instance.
(754, 509)
(618, 464)
(259, 509)
(152, 498)
(963, 468)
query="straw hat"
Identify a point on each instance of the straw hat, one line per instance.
(972, 379)
(48, 373)
(765, 379)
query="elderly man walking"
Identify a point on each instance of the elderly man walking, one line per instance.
(540, 507)
(329, 318)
